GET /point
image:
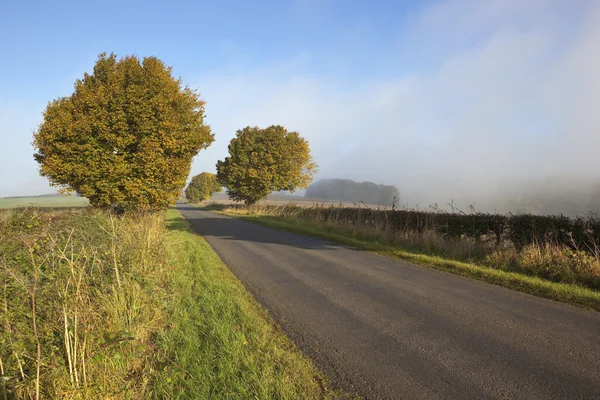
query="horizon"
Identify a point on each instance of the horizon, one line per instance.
(443, 99)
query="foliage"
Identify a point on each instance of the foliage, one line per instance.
(126, 137)
(581, 233)
(262, 161)
(202, 187)
(351, 191)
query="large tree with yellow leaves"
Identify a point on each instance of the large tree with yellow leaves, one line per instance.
(126, 137)
(262, 161)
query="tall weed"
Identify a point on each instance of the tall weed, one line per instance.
(78, 303)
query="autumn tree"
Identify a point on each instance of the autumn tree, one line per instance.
(262, 161)
(201, 187)
(126, 137)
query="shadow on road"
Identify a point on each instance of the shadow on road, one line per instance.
(210, 224)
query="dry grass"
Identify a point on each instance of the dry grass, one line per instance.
(78, 303)
(549, 261)
(545, 260)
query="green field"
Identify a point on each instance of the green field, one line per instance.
(44, 201)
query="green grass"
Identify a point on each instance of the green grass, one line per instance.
(568, 293)
(221, 343)
(133, 307)
(57, 201)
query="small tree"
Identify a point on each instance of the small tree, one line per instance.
(126, 137)
(202, 187)
(262, 161)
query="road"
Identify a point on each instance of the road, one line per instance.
(387, 329)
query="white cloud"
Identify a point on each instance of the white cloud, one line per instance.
(520, 101)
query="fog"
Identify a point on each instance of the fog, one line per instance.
(493, 104)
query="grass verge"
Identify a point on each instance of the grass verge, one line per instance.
(222, 343)
(567, 293)
(98, 306)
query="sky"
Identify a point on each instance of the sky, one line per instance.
(445, 99)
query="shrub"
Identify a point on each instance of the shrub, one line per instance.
(78, 303)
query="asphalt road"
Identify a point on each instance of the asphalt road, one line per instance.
(392, 330)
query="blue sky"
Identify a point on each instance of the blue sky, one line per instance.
(51, 43)
(434, 96)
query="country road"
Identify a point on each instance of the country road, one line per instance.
(388, 329)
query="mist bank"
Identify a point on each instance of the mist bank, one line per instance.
(346, 190)
(570, 196)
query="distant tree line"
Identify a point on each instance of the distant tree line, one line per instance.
(351, 191)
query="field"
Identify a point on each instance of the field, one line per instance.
(66, 201)
(285, 199)
(59, 201)
(137, 306)
(560, 270)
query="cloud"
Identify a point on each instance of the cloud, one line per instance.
(515, 99)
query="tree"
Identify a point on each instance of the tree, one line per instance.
(126, 137)
(262, 161)
(348, 190)
(202, 187)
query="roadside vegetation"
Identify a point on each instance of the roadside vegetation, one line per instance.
(98, 306)
(564, 268)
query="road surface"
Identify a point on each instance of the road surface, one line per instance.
(387, 329)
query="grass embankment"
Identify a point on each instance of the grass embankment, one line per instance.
(95, 306)
(504, 267)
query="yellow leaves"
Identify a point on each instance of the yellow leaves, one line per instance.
(265, 160)
(202, 187)
(127, 135)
